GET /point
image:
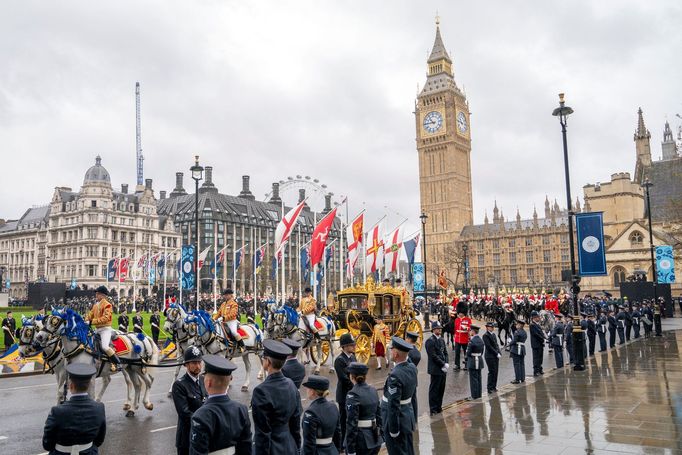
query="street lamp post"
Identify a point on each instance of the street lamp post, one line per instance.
(657, 309)
(465, 247)
(423, 217)
(197, 176)
(562, 112)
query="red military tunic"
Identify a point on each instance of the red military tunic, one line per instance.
(462, 326)
(552, 305)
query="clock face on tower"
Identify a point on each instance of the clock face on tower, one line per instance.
(462, 122)
(433, 121)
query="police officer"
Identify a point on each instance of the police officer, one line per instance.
(601, 330)
(138, 324)
(77, 426)
(591, 333)
(628, 323)
(415, 357)
(556, 340)
(537, 343)
(437, 368)
(492, 356)
(155, 322)
(188, 394)
(568, 332)
(293, 369)
(636, 317)
(321, 425)
(275, 406)
(620, 318)
(363, 423)
(397, 415)
(613, 325)
(123, 321)
(517, 351)
(475, 362)
(343, 383)
(220, 426)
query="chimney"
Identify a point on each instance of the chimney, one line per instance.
(275, 199)
(124, 188)
(162, 194)
(246, 192)
(178, 190)
(327, 203)
(208, 185)
(148, 184)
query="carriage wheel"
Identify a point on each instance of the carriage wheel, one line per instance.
(325, 349)
(353, 321)
(363, 348)
(415, 326)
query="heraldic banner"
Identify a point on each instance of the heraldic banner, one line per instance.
(591, 252)
(665, 264)
(418, 277)
(187, 267)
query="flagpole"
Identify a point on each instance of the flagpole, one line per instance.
(120, 258)
(315, 267)
(255, 293)
(234, 258)
(281, 248)
(149, 264)
(165, 259)
(215, 268)
(298, 265)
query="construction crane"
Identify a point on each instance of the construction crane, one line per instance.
(138, 137)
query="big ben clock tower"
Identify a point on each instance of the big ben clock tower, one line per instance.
(444, 148)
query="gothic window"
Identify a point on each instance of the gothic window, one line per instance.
(618, 276)
(496, 258)
(529, 257)
(529, 241)
(512, 243)
(481, 260)
(546, 256)
(512, 258)
(545, 240)
(636, 238)
(496, 243)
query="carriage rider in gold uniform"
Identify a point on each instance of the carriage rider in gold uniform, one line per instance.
(308, 310)
(100, 316)
(229, 311)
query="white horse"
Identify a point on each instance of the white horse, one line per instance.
(138, 353)
(183, 332)
(212, 339)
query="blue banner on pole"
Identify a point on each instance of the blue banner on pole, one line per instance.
(665, 264)
(187, 267)
(591, 252)
(418, 277)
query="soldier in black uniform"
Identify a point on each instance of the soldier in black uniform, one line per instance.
(613, 325)
(123, 321)
(628, 323)
(591, 333)
(188, 394)
(556, 339)
(492, 356)
(475, 363)
(9, 326)
(138, 324)
(78, 426)
(343, 384)
(293, 369)
(220, 425)
(620, 318)
(321, 425)
(397, 415)
(636, 317)
(537, 343)
(647, 319)
(437, 367)
(517, 351)
(601, 330)
(415, 357)
(155, 322)
(568, 331)
(275, 406)
(363, 424)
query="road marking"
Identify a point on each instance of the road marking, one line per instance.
(162, 429)
(3, 438)
(28, 387)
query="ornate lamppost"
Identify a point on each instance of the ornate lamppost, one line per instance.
(197, 176)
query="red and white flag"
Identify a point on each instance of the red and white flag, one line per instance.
(354, 233)
(320, 236)
(202, 257)
(392, 246)
(375, 248)
(123, 269)
(287, 224)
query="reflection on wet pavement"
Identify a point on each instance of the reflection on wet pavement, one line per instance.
(629, 400)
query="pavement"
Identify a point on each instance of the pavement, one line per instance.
(579, 410)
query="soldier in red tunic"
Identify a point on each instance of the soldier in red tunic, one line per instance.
(462, 327)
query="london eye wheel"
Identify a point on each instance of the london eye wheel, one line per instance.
(292, 188)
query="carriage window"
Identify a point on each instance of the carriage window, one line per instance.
(388, 305)
(355, 302)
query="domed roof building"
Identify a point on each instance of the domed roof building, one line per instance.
(97, 173)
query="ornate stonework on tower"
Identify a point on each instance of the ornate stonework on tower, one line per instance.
(444, 148)
(643, 147)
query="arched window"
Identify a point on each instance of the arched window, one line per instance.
(618, 274)
(636, 238)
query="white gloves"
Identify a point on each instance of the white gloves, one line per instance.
(499, 355)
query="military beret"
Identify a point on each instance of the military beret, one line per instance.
(412, 335)
(81, 371)
(490, 324)
(400, 344)
(276, 349)
(357, 368)
(346, 339)
(218, 365)
(228, 291)
(102, 290)
(316, 382)
(293, 344)
(192, 354)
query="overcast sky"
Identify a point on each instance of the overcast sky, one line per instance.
(327, 89)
